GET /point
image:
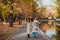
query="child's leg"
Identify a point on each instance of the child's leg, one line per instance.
(36, 35)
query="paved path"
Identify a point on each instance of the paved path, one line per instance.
(22, 35)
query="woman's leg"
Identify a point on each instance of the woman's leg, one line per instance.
(28, 35)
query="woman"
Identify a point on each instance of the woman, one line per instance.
(29, 29)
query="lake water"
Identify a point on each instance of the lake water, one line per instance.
(51, 29)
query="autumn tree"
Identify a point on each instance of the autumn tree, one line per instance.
(58, 8)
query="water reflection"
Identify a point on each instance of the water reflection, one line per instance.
(49, 28)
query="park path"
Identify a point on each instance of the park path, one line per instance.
(22, 35)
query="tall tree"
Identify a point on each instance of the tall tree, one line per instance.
(58, 8)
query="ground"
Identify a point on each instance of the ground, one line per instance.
(22, 35)
(18, 32)
(6, 31)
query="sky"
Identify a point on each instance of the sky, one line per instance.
(46, 3)
(49, 3)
